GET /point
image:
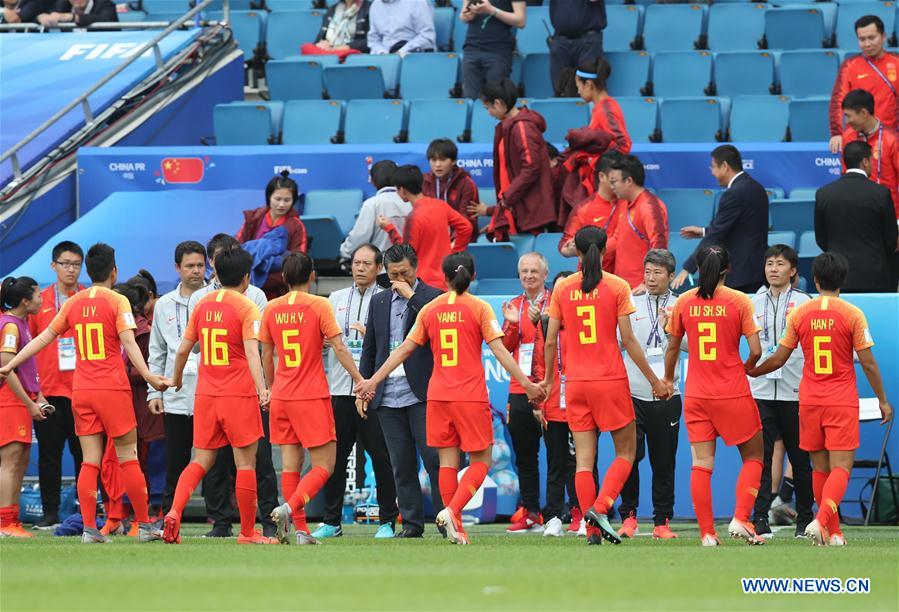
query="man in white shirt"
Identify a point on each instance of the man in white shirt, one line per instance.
(385, 203)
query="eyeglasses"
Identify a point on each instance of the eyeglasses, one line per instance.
(68, 265)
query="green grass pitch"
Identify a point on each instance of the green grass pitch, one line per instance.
(497, 571)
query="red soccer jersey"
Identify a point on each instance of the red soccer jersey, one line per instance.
(884, 142)
(607, 116)
(829, 329)
(296, 324)
(713, 329)
(643, 225)
(590, 326)
(221, 321)
(877, 76)
(98, 315)
(54, 383)
(456, 325)
(523, 333)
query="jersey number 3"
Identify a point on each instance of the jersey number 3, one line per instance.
(588, 318)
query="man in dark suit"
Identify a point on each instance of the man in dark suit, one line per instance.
(401, 399)
(855, 217)
(740, 225)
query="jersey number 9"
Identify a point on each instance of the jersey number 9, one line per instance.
(449, 347)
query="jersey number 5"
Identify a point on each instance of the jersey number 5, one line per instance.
(215, 350)
(823, 357)
(90, 341)
(449, 346)
(708, 334)
(588, 318)
(292, 354)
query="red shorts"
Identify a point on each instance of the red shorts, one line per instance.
(109, 411)
(828, 427)
(15, 424)
(226, 420)
(598, 404)
(309, 423)
(467, 425)
(735, 419)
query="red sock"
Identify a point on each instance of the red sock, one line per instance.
(818, 480)
(448, 481)
(747, 488)
(245, 491)
(831, 496)
(612, 482)
(289, 483)
(468, 486)
(15, 514)
(188, 481)
(701, 492)
(6, 516)
(309, 487)
(585, 488)
(136, 485)
(87, 493)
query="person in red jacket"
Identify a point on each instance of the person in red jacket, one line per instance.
(862, 124)
(281, 195)
(521, 171)
(427, 227)
(644, 222)
(448, 182)
(591, 78)
(874, 71)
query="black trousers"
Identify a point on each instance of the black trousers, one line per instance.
(406, 438)
(560, 468)
(218, 485)
(52, 435)
(179, 440)
(350, 429)
(569, 53)
(525, 432)
(781, 420)
(658, 425)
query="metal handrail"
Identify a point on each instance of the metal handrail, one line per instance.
(83, 101)
(99, 26)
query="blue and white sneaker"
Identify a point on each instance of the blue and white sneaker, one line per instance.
(385, 531)
(327, 531)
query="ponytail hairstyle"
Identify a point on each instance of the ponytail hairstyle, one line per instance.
(14, 291)
(282, 181)
(136, 294)
(459, 271)
(714, 263)
(590, 242)
(145, 279)
(596, 71)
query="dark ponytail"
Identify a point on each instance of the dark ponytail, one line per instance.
(146, 280)
(14, 291)
(590, 242)
(135, 293)
(459, 271)
(714, 262)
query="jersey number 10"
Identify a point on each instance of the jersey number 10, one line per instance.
(90, 341)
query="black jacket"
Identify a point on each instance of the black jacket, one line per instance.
(28, 10)
(360, 37)
(376, 345)
(102, 11)
(741, 227)
(855, 217)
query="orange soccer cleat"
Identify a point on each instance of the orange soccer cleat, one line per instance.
(15, 530)
(628, 527)
(663, 532)
(256, 538)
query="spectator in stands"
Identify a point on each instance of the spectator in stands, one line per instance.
(591, 78)
(384, 203)
(489, 41)
(577, 39)
(401, 27)
(344, 30)
(643, 225)
(740, 225)
(448, 182)
(24, 11)
(874, 71)
(81, 12)
(854, 217)
(521, 172)
(148, 283)
(281, 195)
(862, 124)
(428, 227)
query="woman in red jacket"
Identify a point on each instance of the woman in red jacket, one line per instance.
(281, 195)
(591, 80)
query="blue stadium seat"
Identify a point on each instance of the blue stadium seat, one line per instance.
(792, 215)
(431, 119)
(325, 234)
(673, 27)
(561, 115)
(809, 120)
(444, 19)
(641, 116)
(311, 121)
(849, 12)
(247, 123)
(787, 238)
(494, 260)
(759, 118)
(681, 73)
(630, 72)
(165, 6)
(774, 193)
(389, 65)
(532, 38)
(807, 73)
(374, 121)
(691, 119)
(535, 76)
(342, 204)
(134, 16)
(354, 82)
(803, 193)
(483, 126)
(460, 32)
(286, 31)
(289, 5)
(688, 206)
(624, 26)
(524, 243)
(736, 27)
(236, 5)
(796, 27)
(167, 17)
(498, 286)
(681, 248)
(295, 78)
(487, 195)
(747, 73)
(247, 27)
(548, 244)
(428, 75)
(808, 250)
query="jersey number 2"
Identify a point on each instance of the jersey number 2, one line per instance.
(708, 334)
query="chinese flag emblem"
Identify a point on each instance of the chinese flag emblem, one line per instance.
(182, 169)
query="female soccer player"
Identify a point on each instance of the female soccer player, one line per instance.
(717, 399)
(19, 297)
(458, 412)
(590, 306)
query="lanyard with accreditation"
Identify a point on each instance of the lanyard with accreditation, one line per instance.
(526, 349)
